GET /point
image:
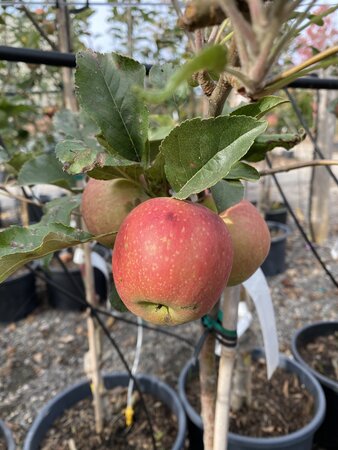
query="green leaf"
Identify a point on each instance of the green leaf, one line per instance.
(84, 150)
(259, 108)
(75, 125)
(19, 245)
(115, 300)
(110, 172)
(77, 157)
(4, 155)
(227, 193)
(60, 210)
(155, 176)
(200, 152)
(242, 171)
(267, 142)
(212, 58)
(104, 87)
(160, 75)
(44, 169)
(19, 159)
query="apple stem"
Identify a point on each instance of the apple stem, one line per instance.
(94, 342)
(231, 299)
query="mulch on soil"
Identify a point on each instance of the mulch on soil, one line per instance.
(76, 428)
(322, 355)
(279, 406)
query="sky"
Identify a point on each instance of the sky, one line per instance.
(99, 28)
(101, 41)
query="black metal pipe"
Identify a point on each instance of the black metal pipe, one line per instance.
(32, 56)
(52, 58)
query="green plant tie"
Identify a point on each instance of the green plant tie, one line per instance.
(224, 336)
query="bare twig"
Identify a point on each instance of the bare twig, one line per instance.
(319, 162)
(309, 62)
(245, 36)
(37, 26)
(286, 37)
(8, 193)
(257, 13)
(219, 96)
(220, 30)
(198, 40)
(179, 15)
(177, 7)
(213, 34)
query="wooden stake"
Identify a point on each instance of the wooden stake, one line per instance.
(94, 347)
(226, 365)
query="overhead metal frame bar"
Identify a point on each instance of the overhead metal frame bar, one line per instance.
(59, 59)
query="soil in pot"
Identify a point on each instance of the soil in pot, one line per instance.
(322, 355)
(78, 424)
(279, 406)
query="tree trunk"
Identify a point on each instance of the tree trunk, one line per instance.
(321, 180)
(226, 365)
(63, 21)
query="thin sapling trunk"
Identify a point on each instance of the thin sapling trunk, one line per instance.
(226, 365)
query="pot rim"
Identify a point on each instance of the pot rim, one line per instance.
(20, 277)
(259, 442)
(328, 382)
(8, 436)
(82, 389)
(281, 227)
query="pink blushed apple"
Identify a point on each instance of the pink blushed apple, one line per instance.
(171, 260)
(106, 203)
(250, 237)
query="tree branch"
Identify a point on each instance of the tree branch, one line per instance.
(320, 162)
(309, 62)
(37, 26)
(10, 194)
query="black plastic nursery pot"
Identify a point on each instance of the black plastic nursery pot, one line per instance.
(74, 286)
(275, 261)
(299, 440)
(327, 435)
(6, 434)
(35, 212)
(17, 297)
(278, 214)
(74, 394)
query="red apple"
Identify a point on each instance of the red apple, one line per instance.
(171, 260)
(250, 237)
(106, 203)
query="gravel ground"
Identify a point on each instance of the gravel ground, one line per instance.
(43, 354)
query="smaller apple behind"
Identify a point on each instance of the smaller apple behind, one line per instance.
(250, 237)
(171, 260)
(105, 203)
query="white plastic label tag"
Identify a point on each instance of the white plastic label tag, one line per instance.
(100, 264)
(78, 257)
(259, 291)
